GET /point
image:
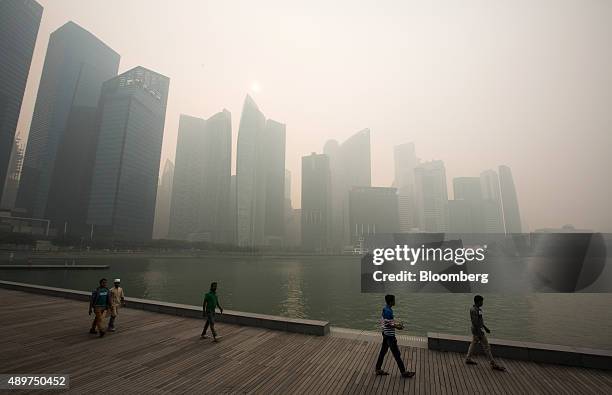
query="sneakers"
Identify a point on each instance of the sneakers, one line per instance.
(203, 336)
(111, 329)
(102, 334)
(381, 372)
(408, 374)
(93, 331)
(495, 366)
(470, 362)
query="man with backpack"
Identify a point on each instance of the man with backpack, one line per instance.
(99, 304)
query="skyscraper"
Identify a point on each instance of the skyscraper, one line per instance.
(431, 196)
(260, 179)
(373, 210)
(61, 146)
(12, 177)
(19, 23)
(466, 211)
(132, 113)
(405, 160)
(161, 225)
(512, 216)
(201, 190)
(316, 202)
(350, 165)
(494, 220)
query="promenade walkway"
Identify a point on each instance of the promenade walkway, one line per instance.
(154, 353)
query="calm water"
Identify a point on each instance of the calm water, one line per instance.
(328, 288)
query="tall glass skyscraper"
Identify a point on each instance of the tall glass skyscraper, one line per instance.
(431, 196)
(19, 23)
(260, 179)
(201, 192)
(132, 113)
(61, 145)
(316, 202)
(512, 216)
(161, 225)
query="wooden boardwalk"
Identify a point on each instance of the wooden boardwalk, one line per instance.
(155, 354)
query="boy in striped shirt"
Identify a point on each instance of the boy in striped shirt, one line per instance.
(388, 326)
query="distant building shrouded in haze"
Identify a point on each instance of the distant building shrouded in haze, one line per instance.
(316, 202)
(405, 159)
(350, 164)
(466, 211)
(61, 147)
(132, 112)
(260, 179)
(431, 196)
(202, 180)
(12, 178)
(19, 23)
(162, 203)
(512, 216)
(494, 220)
(373, 210)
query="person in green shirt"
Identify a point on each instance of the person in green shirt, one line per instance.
(211, 302)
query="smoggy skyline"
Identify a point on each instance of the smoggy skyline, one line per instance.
(475, 84)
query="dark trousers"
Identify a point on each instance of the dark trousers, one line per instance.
(390, 342)
(210, 320)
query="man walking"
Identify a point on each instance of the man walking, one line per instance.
(99, 303)
(117, 299)
(389, 326)
(211, 302)
(478, 335)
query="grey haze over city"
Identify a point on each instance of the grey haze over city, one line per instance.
(437, 94)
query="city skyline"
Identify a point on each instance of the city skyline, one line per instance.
(515, 122)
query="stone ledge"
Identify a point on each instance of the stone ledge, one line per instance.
(273, 322)
(525, 351)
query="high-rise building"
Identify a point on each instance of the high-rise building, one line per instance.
(494, 220)
(132, 113)
(466, 211)
(232, 210)
(161, 225)
(201, 190)
(260, 179)
(350, 164)
(19, 23)
(431, 196)
(57, 167)
(405, 159)
(373, 210)
(510, 207)
(12, 178)
(316, 202)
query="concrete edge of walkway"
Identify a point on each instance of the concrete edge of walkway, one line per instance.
(525, 351)
(296, 325)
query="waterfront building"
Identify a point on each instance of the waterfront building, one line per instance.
(19, 23)
(316, 202)
(493, 216)
(56, 173)
(132, 113)
(405, 161)
(509, 199)
(372, 210)
(431, 196)
(260, 178)
(201, 190)
(161, 225)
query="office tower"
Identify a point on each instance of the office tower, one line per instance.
(405, 162)
(494, 220)
(260, 179)
(12, 177)
(373, 210)
(19, 23)
(510, 207)
(273, 160)
(466, 211)
(350, 166)
(57, 167)
(316, 202)
(132, 113)
(201, 190)
(232, 210)
(431, 196)
(161, 225)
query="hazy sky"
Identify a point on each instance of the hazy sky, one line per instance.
(475, 83)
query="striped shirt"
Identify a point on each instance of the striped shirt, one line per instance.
(387, 323)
